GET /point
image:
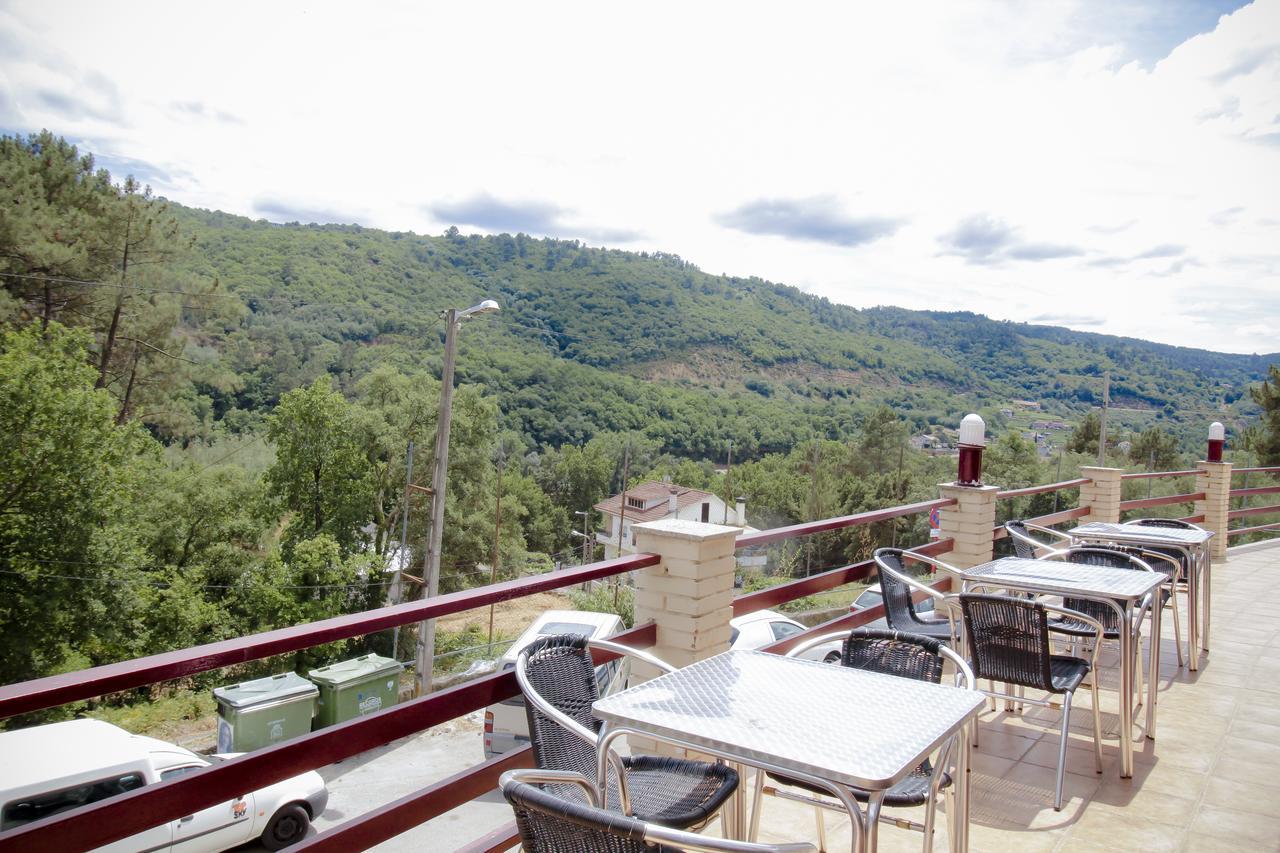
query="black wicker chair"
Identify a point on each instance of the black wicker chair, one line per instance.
(557, 676)
(893, 653)
(1025, 545)
(897, 588)
(549, 823)
(1008, 642)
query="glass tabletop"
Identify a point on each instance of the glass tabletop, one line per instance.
(1071, 579)
(855, 727)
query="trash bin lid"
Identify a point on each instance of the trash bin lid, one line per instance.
(356, 669)
(260, 691)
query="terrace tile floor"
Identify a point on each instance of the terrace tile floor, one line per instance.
(1209, 782)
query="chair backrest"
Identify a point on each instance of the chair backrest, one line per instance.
(1022, 540)
(1164, 522)
(1008, 639)
(899, 613)
(893, 653)
(1112, 557)
(560, 669)
(551, 824)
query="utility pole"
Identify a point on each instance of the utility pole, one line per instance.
(497, 532)
(1102, 421)
(402, 553)
(626, 477)
(425, 660)
(728, 484)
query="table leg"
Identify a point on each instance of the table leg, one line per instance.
(1153, 668)
(740, 805)
(1193, 614)
(874, 802)
(961, 842)
(1207, 578)
(1126, 694)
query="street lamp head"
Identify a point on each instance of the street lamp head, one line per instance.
(486, 307)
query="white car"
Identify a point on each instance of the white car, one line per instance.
(763, 627)
(61, 766)
(506, 724)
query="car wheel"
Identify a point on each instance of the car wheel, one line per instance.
(832, 657)
(288, 826)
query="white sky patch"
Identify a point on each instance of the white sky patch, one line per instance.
(842, 150)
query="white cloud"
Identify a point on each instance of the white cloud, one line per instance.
(651, 122)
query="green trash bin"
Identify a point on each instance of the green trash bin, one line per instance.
(258, 713)
(356, 687)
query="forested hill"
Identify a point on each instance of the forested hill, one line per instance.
(596, 339)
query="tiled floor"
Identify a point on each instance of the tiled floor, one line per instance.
(1211, 781)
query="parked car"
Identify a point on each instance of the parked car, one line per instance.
(871, 596)
(506, 725)
(61, 766)
(762, 627)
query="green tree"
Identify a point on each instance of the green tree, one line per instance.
(1267, 395)
(68, 486)
(1084, 438)
(1155, 448)
(321, 476)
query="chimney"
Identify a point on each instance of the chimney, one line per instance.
(672, 504)
(741, 511)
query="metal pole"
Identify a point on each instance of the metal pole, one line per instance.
(427, 628)
(497, 530)
(397, 582)
(1102, 421)
(728, 485)
(626, 474)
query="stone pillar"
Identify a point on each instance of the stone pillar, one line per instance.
(689, 595)
(970, 522)
(1214, 479)
(1102, 496)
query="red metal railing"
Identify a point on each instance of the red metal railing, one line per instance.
(1256, 529)
(1040, 490)
(1145, 503)
(777, 534)
(1145, 475)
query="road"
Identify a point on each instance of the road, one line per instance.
(377, 777)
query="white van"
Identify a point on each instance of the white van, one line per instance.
(61, 766)
(506, 726)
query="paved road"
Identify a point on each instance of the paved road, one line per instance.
(379, 776)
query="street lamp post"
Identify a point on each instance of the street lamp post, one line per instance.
(427, 628)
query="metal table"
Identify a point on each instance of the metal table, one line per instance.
(1194, 543)
(830, 725)
(1120, 589)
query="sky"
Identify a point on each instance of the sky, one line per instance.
(1108, 166)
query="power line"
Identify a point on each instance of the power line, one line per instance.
(167, 584)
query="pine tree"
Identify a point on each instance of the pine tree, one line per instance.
(1267, 395)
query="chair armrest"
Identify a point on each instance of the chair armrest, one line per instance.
(1098, 628)
(618, 648)
(1050, 532)
(962, 667)
(562, 719)
(946, 568)
(535, 776)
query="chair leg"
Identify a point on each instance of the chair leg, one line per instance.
(930, 814)
(757, 800)
(1097, 729)
(1062, 751)
(1177, 625)
(822, 829)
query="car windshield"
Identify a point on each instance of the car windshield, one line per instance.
(566, 628)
